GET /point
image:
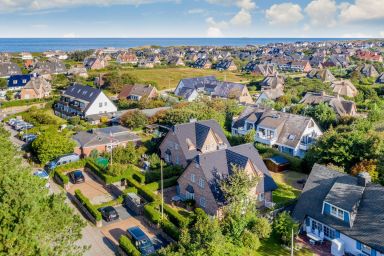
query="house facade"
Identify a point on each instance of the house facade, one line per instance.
(201, 179)
(289, 133)
(17, 82)
(137, 92)
(36, 88)
(343, 209)
(184, 141)
(103, 140)
(83, 101)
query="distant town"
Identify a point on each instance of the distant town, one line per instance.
(273, 149)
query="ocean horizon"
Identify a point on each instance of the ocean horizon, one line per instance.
(72, 44)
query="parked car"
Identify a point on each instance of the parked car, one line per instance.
(141, 241)
(29, 137)
(12, 121)
(25, 126)
(43, 175)
(18, 124)
(109, 213)
(62, 160)
(77, 177)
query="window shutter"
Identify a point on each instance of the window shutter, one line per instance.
(373, 252)
(337, 234)
(358, 245)
(307, 221)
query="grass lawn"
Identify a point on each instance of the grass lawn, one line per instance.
(289, 177)
(169, 77)
(272, 247)
(284, 194)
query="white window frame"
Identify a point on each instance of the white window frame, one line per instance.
(202, 202)
(189, 195)
(261, 197)
(337, 212)
(366, 249)
(193, 177)
(201, 183)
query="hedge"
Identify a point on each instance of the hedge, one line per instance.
(87, 204)
(176, 217)
(116, 201)
(135, 173)
(128, 247)
(71, 166)
(168, 172)
(170, 229)
(96, 170)
(19, 103)
(151, 213)
(130, 190)
(63, 177)
(166, 183)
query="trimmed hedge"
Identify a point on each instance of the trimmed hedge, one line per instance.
(168, 172)
(116, 201)
(87, 204)
(170, 229)
(96, 170)
(71, 166)
(128, 247)
(151, 213)
(178, 219)
(63, 177)
(146, 193)
(130, 190)
(135, 173)
(166, 183)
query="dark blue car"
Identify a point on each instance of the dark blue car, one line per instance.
(141, 241)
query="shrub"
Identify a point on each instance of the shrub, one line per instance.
(179, 220)
(134, 119)
(128, 247)
(130, 190)
(71, 166)
(168, 172)
(87, 204)
(151, 213)
(166, 183)
(116, 201)
(170, 229)
(64, 178)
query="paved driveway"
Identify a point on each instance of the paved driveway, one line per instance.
(92, 189)
(123, 215)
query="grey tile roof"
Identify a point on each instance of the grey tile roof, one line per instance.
(8, 69)
(84, 93)
(217, 165)
(339, 104)
(196, 133)
(103, 136)
(368, 225)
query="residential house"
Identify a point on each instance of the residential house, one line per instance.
(78, 71)
(344, 210)
(185, 141)
(290, 133)
(28, 64)
(226, 64)
(95, 63)
(380, 79)
(8, 69)
(322, 74)
(202, 63)
(191, 88)
(83, 101)
(176, 61)
(337, 60)
(17, 82)
(127, 58)
(103, 139)
(137, 92)
(300, 66)
(260, 69)
(344, 88)
(202, 177)
(26, 56)
(272, 88)
(49, 67)
(341, 106)
(36, 88)
(367, 70)
(369, 56)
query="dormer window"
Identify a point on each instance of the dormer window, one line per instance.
(337, 212)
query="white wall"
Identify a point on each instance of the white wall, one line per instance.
(95, 109)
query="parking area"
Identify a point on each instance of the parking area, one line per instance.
(123, 215)
(92, 189)
(114, 230)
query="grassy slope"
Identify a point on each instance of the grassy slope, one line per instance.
(272, 247)
(170, 77)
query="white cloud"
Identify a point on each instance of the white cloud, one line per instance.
(214, 32)
(243, 17)
(69, 35)
(16, 5)
(243, 4)
(284, 14)
(322, 12)
(362, 10)
(357, 35)
(196, 11)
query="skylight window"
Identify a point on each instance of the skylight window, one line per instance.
(291, 137)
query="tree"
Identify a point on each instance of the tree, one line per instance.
(369, 166)
(125, 155)
(154, 161)
(134, 119)
(51, 144)
(9, 95)
(283, 226)
(3, 83)
(323, 114)
(261, 227)
(250, 136)
(116, 80)
(33, 221)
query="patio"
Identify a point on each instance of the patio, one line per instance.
(318, 249)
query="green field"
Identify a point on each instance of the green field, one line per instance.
(169, 77)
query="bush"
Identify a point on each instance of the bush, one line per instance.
(168, 172)
(130, 190)
(145, 193)
(134, 119)
(179, 220)
(64, 178)
(170, 229)
(152, 213)
(116, 201)
(87, 204)
(128, 247)
(166, 183)
(71, 166)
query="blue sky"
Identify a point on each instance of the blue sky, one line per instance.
(191, 18)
